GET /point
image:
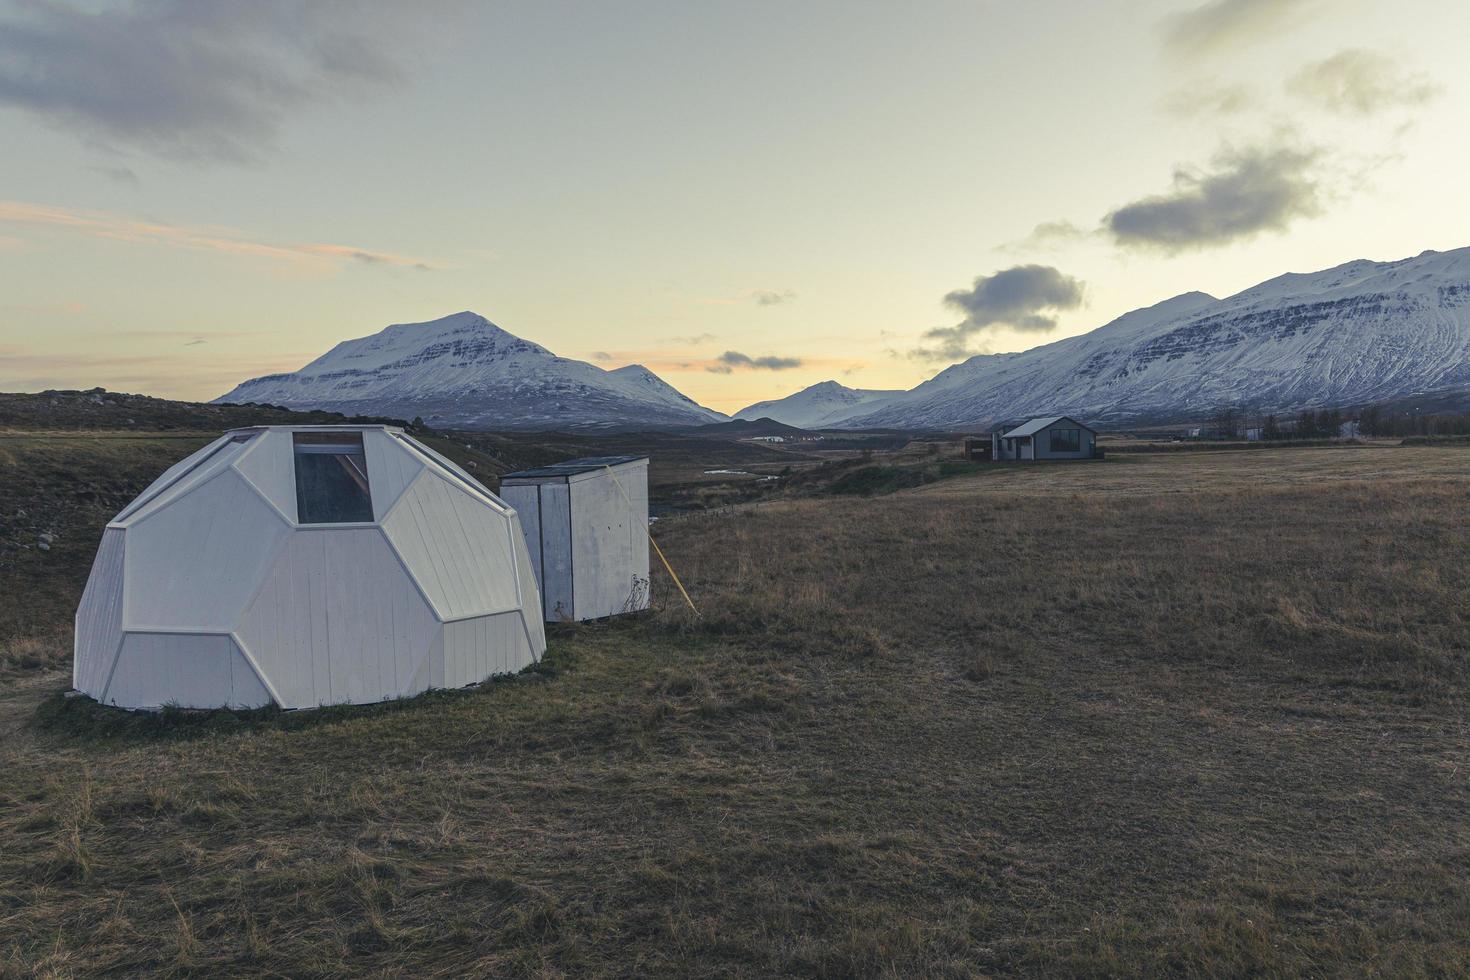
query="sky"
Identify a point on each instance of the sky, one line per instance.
(747, 197)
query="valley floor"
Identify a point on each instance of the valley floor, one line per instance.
(1185, 714)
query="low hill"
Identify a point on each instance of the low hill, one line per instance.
(100, 409)
(750, 428)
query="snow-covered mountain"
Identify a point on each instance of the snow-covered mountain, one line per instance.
(463, 371)
(1359, 333)
(823, 404)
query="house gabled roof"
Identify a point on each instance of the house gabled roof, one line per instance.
(1036, 425)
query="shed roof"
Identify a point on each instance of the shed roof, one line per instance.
(368, 427)
(1036, 425)
(571, 467)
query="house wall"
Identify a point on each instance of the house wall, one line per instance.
(1042, 443)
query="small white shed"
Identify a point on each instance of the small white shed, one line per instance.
(586, 525)
(303, 566)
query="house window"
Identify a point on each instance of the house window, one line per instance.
(1066, 440)
(331, 479)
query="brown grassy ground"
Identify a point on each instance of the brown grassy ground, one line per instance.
(1187, 715)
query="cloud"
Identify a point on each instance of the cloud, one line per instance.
(1209, 98)
(761, 297)
(204, 80)
(121, 228)
(1024, 297)
(1245, 193)
(1222, 24)
(602, 355)
(1047, 235)
(733, 360)
(771, 297)
(693, 341)
(1356, 82)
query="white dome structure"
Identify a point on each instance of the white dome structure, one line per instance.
(304, 566)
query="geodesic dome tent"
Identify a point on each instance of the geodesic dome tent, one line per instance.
(303, 566)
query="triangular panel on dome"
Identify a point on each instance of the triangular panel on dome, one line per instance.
(183, 477)
(530, 599)
(338, 620)
(453, 472)
(485, 646)
(197, 560)
(458, 550)
(269, 465)
(155, 670)
(393, 466)
(99, 617)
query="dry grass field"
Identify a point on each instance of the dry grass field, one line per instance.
(1190, 714)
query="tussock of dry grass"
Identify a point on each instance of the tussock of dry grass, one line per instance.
(975, 729)
(23, 655)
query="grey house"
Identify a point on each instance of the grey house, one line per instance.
(1058, 437)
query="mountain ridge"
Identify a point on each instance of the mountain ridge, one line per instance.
(462, 371)
(814, 406)
(1357, 333)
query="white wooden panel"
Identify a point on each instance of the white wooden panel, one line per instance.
(531, 607)
(269, 463)
(169, 477)
(475, 649)
(556, 553)
(194, 564)
(436, 659)
(391, 468)
(184, 669)
(246, 690)
(635, 481)
(338, 621)
(449, 468)
(202, 467)
(610, 542)
(99, 617)
(424, 677)
(526, 500)
(456, 547)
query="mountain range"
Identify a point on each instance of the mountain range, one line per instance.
(1363, 332)
(1359, 333)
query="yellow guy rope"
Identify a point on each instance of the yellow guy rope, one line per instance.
(672, 574)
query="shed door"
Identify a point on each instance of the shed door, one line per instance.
(556, 553)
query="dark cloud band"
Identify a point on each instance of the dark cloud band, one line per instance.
(1024, 297)
(733, 360)
(1244, 194)
(205, 80)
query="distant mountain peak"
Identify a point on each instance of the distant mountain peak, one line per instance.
(464, 371)
(822, 404)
